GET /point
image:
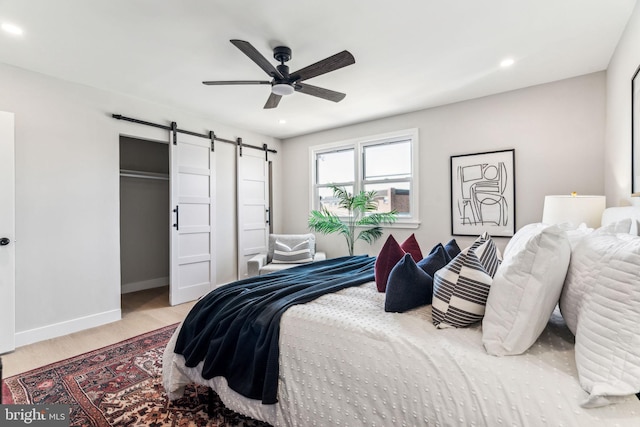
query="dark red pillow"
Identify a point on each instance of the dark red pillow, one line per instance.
(411, 246)
(388, 257)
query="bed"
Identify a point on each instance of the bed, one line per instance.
(344, 361)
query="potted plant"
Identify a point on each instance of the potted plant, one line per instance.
(360, 214)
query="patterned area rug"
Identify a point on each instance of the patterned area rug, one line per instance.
(120, 385)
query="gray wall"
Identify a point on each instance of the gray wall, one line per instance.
(144, 235)
(624, 63)
(557, 130)
(67, 197)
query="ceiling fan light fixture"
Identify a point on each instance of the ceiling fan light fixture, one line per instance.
(282, 89)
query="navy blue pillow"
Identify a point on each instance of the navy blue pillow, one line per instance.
(436, 259)
(408, 287)
(452, 248)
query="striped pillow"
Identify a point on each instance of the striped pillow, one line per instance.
(300, 253)
(461, 288)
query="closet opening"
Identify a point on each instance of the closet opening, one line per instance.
(144, 220)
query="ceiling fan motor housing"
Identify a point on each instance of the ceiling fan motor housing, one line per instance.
(282, 53)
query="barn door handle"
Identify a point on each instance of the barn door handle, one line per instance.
(177, 224)
(268, 212)
(4, 241)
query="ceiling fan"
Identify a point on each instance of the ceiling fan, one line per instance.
(285, 83)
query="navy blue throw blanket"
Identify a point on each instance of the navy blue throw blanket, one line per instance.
(235, 328)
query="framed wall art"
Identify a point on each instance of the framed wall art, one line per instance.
(483, 194)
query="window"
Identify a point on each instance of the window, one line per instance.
(383, 163)
(334, 168)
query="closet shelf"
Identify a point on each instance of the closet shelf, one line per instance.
(144, 175)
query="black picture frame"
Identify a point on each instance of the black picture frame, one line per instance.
(483, 193)
(635, 131)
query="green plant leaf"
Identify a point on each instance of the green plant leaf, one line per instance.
(379, 218)
(370, 235)
(325, 222)
(345, 198)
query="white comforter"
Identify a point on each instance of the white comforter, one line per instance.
(344, 361)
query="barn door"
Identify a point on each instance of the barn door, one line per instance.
(253, 206)
(7, 234)
(192, 217)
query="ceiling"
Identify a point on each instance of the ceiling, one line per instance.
(409, 54)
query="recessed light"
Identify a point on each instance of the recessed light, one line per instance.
(12, 29)
(282, 121)
(508, 62)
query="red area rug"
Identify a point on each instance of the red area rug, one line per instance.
(120, 385)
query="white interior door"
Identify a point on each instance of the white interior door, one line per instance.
(7, 233)
(193, 218)
(253, 206)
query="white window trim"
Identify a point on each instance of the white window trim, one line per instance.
(357, 144)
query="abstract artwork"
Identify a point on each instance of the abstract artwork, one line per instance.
(483, 194)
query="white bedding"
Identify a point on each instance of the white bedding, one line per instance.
(344, 361)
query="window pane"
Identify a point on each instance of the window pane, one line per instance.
(327, 200)
(337, 166)
(389, 160)
(392, 196)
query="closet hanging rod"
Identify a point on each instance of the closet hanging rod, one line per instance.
(188, 132)
(146, 175)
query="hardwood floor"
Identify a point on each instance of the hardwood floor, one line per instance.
(142, 311)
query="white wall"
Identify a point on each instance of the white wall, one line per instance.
(623, 64)
(557, 130)
(67, 191)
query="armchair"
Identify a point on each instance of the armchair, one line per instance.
(287, 244)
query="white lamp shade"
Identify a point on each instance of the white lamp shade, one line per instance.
(574, 209)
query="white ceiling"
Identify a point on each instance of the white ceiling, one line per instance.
(410, 54)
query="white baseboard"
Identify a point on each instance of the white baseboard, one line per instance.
(67, 327)
(145, 284)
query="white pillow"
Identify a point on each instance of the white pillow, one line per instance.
(622, 226)
(582, 273)
(621, 212)
(525, 289)
(575, 234)
(298, 254)
(607, 336)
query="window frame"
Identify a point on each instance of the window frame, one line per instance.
(357, 145)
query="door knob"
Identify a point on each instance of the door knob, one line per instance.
(4, 241)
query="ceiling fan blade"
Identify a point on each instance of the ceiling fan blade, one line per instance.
(237, 82)
(253, 54)
(320, 92)
(331, 63)
(273, 101)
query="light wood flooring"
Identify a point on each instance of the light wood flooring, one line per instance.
(142, 311)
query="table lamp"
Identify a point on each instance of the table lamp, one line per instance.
(574, 208)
